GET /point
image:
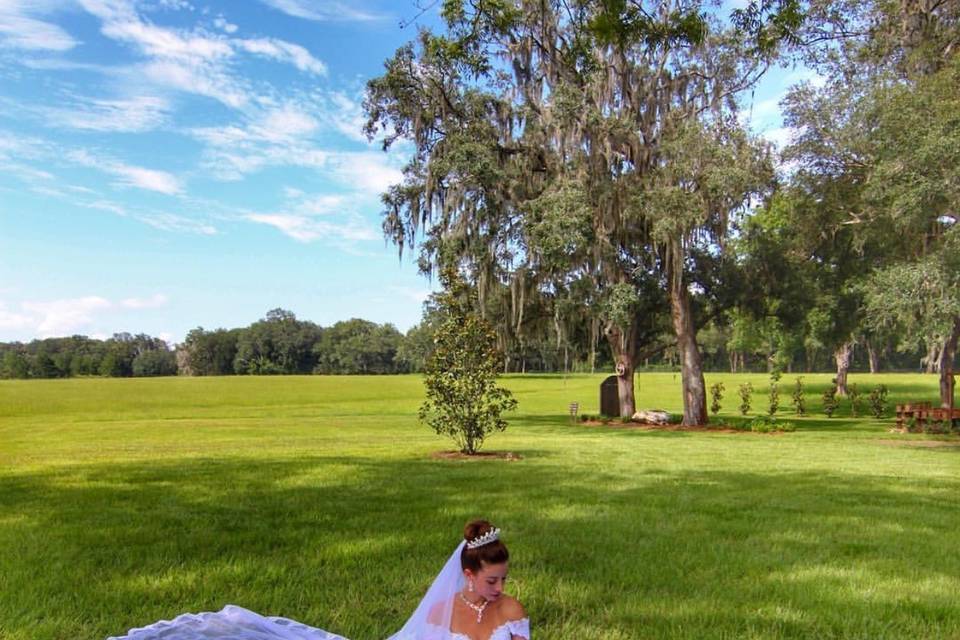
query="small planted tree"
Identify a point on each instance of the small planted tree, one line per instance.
(854, 394)
(463, 400)
(799, 399)
(774, 392)
(716, 396)
(878, 400)
(830, 402)
(746, 393)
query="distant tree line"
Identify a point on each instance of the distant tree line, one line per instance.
(543, 341)
(277, 344)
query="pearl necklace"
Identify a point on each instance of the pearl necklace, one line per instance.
(476, 607)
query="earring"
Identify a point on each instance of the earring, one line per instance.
(470, 587)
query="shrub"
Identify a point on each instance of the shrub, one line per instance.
(769, 424)
(878, 400)
(774, 392)
(830, 401)
(746, 393)
(463, 400)
(799, 399)
(854, 394)
(716, 395)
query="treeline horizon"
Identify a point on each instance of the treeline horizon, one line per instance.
(282, 344)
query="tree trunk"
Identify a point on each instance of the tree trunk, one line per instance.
(628, 403)
(947, 355)
(843, 355)
(594, 331)
(691, 363)
(624, 347)
(933, 356)
(874, 357)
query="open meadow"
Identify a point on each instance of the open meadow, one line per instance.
(126, 501)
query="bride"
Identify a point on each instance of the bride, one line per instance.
(465, 602)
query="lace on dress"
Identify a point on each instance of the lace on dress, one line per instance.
(506, 631)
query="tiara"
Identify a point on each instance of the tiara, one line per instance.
(490, 536)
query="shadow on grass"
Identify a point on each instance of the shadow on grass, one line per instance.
(349, 544)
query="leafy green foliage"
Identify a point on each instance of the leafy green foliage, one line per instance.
(856, 402)
(769, 424)
(830, 401)
(799, 397)
(155, 362)
(358, 347)
(878, 400)
(775, 376)
(716, 395)
(463, 400)
(746, 396)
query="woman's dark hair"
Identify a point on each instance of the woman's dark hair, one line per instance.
(491, 553)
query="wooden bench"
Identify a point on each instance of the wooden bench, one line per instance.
(920, 414)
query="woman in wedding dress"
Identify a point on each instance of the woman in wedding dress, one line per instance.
(465, 602)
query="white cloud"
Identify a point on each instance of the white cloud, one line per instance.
(176, 223)
(14, 321)
(150, 179)
(20, 29)
(222, 24)
(138, 113)
(780, 136)
(322, 204)
(158, 42)
(325, 216)
(196, 61)
(64, 317)
(273, 137)
(284, 52)
(304, 228)
(321, 10)
(129, 175)
(346, 116)
(804, 74)
(69, 316)
(369, 171)
(105, 205)
(153, 302)
(410, 293)
(203, 80)
(158, 220)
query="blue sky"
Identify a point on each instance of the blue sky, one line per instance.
(167, 164)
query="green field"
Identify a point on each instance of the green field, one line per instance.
(126, 501)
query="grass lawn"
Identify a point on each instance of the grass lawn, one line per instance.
(126, 501)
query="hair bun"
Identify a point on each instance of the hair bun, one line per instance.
(475, 529)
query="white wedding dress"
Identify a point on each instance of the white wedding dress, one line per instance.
(430, 621)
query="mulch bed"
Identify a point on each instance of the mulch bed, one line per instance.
(482, 455)
(637, 426)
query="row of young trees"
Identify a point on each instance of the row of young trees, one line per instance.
(277, 344)
(584, 164)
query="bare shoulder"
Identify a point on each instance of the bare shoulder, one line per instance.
(511, 609)
(437, 611)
